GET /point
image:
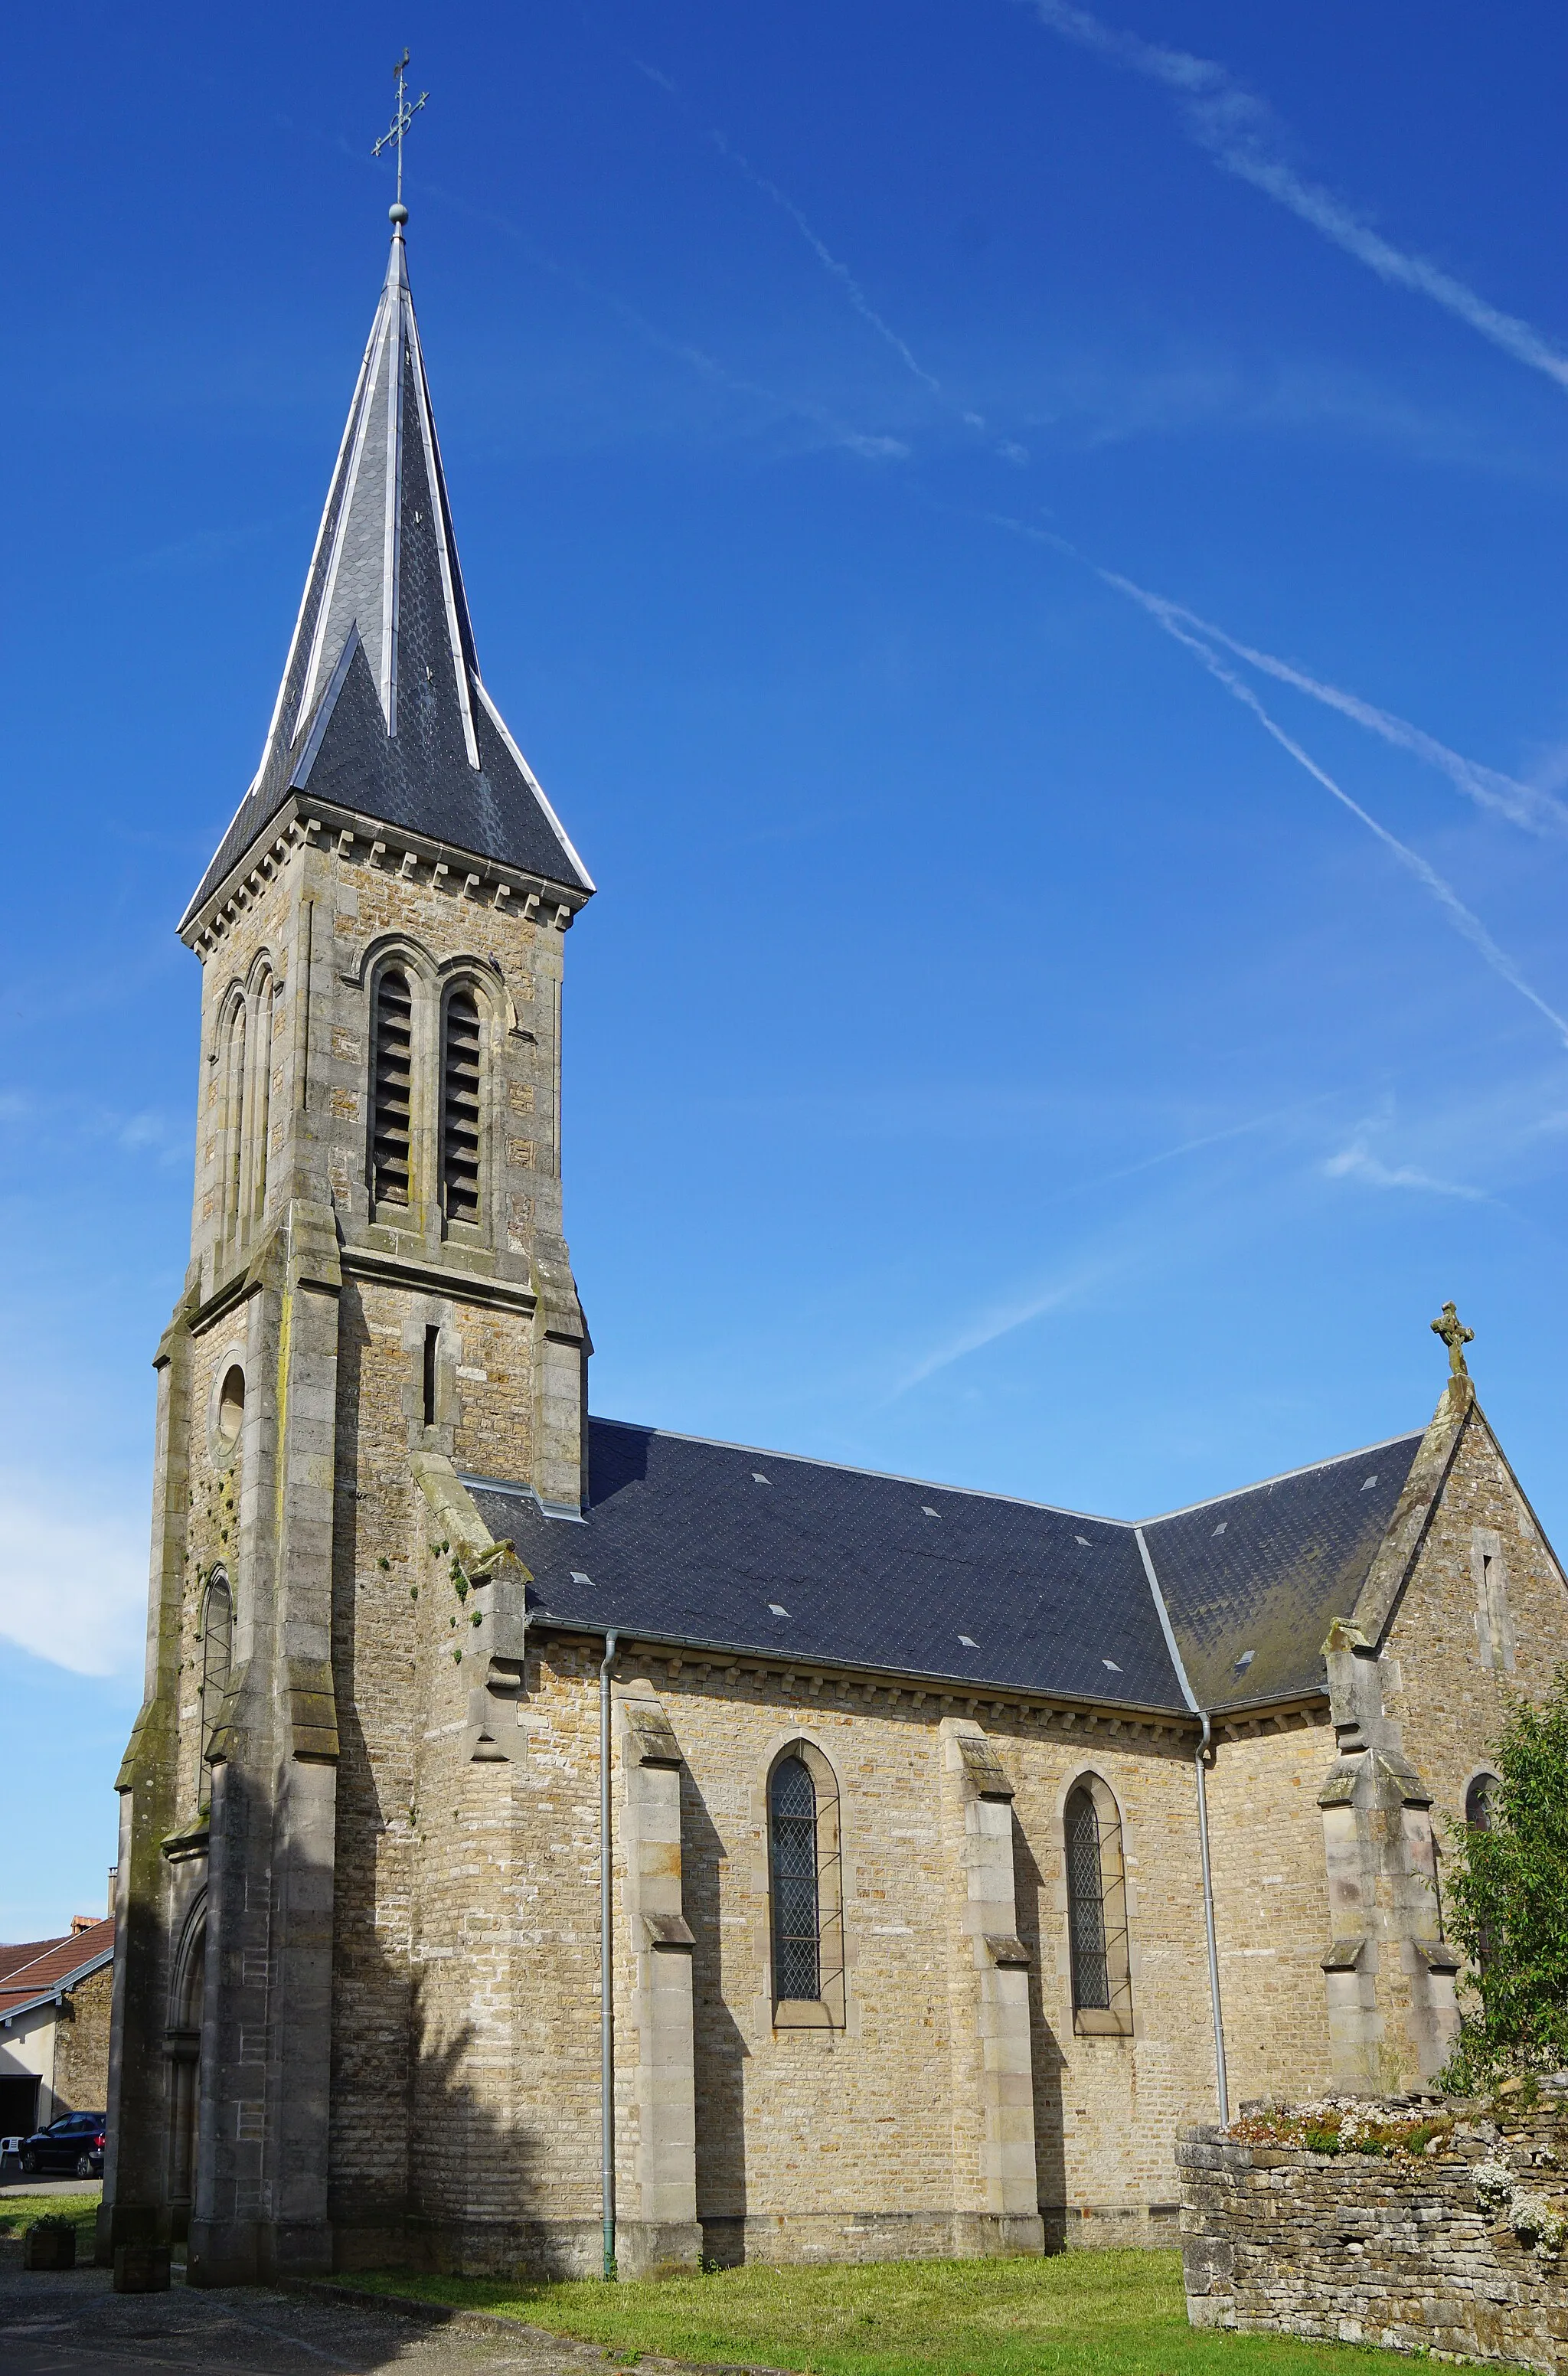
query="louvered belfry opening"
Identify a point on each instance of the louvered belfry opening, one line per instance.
(459, 1107)
(394, 1070)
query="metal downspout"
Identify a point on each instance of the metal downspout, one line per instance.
(1221, 2083)
(606, 1966)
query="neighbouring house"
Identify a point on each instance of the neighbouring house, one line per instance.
(55, 1996)
(955, 1845)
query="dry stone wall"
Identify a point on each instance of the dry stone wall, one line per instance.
(1458, 2250)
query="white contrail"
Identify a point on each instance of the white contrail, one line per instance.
(1459, 916)
(1238, 132)
(835, 267)
(1523, 805)
(829, 262)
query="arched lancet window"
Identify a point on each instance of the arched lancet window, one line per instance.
(216, 1655)
(182, 2043)
(1480, 1803)
(1480, 1815)
(1097, 1911)
(805, 1894)
(460, 1104)
(261, 1102)
(234, 1117)
(391, 1089)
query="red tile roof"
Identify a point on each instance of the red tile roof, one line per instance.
(55, 1964)
(12, 1957)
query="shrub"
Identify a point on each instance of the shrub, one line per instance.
(1508, 1906)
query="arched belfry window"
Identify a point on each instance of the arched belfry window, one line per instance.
(805, 1891)
(217, 1656)
(391, 1088)
(1097, 1911)
(460, 1104)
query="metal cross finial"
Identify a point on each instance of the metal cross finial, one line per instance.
(406, 110)
(1455, 1336)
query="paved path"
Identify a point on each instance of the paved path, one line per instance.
(76, 2325)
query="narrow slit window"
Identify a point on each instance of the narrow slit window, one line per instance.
(432, 1342)
(459, 1107)
(263, 1092)
(234, 1116)
(216, 1655)
(796, 1918)
(392, 1089)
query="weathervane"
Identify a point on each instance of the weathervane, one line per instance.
(406, 110)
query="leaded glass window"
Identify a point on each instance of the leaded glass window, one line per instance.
(1086, 1905)
(797, 1918)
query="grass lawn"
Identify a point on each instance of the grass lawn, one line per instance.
(19, 2211)
(1074, 2314)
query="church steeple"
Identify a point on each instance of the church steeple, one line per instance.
(382, 710)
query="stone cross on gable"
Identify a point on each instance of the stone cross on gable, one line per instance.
(1455, 1336)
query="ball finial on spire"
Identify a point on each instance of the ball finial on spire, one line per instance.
(398, 214)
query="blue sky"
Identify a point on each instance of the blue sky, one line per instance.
(995, 1053)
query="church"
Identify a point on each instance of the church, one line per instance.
(555, 1844)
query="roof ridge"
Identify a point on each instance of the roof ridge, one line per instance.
(853, 1469)
(986, 1494)
(1307, 1468)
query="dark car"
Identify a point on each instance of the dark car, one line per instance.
(74, 2144)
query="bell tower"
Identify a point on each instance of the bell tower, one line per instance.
(377, 1272)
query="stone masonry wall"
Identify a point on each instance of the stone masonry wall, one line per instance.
(1271, 1907)
(81, 2045)
(1458, 2252)
(1450, 1697)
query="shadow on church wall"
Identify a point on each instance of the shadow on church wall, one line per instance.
(1046, 2055)
(719, 2046)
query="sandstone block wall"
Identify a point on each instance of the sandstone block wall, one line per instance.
(1456, 2254)
(81, 2045)
(1271, 1905)
(1445, 1679)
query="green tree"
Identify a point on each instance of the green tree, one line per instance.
(1508, 1903)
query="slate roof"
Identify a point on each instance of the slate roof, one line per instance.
(381, 709)
(61, 1964)
(719, 1546)
(1268, 1570)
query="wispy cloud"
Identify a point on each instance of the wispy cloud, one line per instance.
(1462, 917)
(1357, 1161)
(1001, 1317)
(1241, 134)
(72, 1588)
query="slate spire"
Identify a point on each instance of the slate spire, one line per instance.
(382, 710)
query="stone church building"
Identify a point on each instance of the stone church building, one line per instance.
(933, 1855)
